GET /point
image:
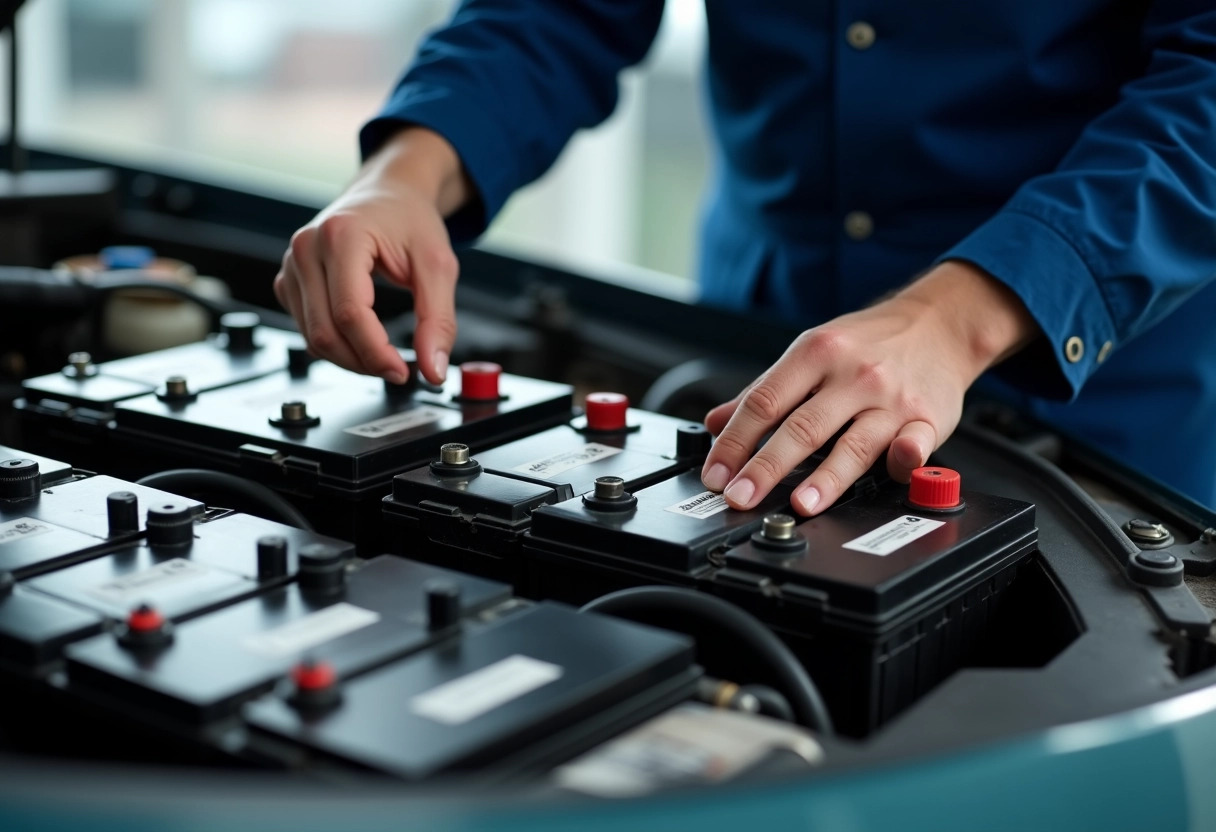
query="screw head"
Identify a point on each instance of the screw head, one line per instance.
(80, 360)
(1144, 530)
(294, 411)
(609, 488)
(177, 386)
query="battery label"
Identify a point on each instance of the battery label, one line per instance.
(891, 536)
(398, 422)
(481, 691)
(705, 504)
(551, 466)
(22, 528)
(311, 630)
(170, 577)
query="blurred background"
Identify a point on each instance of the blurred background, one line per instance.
(267, 96)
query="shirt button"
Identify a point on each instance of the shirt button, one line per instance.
(858, 225)
(860, 35)
(1074, 349)
(1104, 353)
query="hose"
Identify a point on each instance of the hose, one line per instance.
(267, 503)
(644, 603)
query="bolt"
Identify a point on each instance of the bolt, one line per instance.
(176, 386)
(1144, 530)
(1209, 535)
(80, 361)
(609, 488)
(778, 527)
(454, 453)
(294, 411)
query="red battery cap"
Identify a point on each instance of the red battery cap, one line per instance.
(935, 488)
(313, 675)
(606, 411)
(144, 619)
(479, 380)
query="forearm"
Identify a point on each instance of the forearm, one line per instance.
(421, 159)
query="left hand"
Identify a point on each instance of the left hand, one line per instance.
(898, 369)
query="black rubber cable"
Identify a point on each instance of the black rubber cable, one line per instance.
(273, 506)
(772, 703)
(636, 603)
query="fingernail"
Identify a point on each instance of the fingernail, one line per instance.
(441, 363)
(740, 492)
(716, 477)
(807, 500)
(398, 377)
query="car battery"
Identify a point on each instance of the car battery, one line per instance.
(51, 519)
(882, 598)
(73, 408)
(181, 569)
(673, 532)
(34, 628)
(531, 689)
(471, 513)
(383, 609)
(333, 439)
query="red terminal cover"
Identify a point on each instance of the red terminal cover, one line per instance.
(479, 380)
(606, 411)
(934, 487)
(144, 619)
(313, 675)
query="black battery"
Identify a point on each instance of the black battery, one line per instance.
(330, 438)
(532, 689)
(381, 611)
(673, 532)
(72, 518)
(182, 568)
(881, 599)
(34, 628)
(74, 408)
(472, 515)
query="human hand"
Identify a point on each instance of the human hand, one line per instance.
(898, 369)
(389, 220)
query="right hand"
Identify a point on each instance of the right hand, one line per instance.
(389, 220)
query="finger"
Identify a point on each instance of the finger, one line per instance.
(852, 455)
(435, 271)
(316, 322)
(803, 432)
(348, 265)
(288, 293)
(716, 419)
(910, 450)
(760, 409)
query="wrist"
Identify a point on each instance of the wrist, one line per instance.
(421, 159)
(984, 316)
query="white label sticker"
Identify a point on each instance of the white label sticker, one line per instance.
(481, 691)
(398, 422)
(311, 630)
(890, 536)
(551, 466)
(705, 504)
(170, 575)
(21, 529)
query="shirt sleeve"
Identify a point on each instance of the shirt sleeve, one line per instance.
(508, 82)
(1123, 231)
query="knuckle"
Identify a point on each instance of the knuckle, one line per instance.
(322, 338)
(441, 261)
(826, 343)
(301, 243)
(729, 444)
(335, 229)
(807, 429)
(768, 467)
(763, 403)
(346, 315)
(857, 447)
(874, 377)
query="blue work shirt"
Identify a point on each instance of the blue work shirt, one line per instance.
(1067, 147)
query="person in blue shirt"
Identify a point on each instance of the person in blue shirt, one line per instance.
(1047, 168)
